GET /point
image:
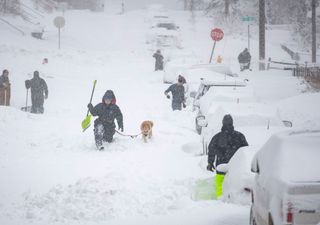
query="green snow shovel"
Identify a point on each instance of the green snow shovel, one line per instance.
(86, 122)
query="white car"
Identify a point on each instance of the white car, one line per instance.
(286, 187)
(163, 38)
(197, 73)
(255, 120)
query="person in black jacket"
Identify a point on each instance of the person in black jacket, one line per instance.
(222, 147)
(104, 126)
(159, 60)
(244, 59)
(39, 92)
(178, 97)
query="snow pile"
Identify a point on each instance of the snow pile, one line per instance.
(103, 199)
(239, 177)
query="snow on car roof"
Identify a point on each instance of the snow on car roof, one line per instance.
(231, 94)
(295, 156)
(210, 76)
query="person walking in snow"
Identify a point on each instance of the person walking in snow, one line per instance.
(39, 92)
(222, 147)
(104, 126)
(177, 91)
(159, 60)
(244, 59)
(5, 90)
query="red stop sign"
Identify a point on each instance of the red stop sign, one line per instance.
(217, 34)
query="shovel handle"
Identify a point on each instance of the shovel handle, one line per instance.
(94, 85)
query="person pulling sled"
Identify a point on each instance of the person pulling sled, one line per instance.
(104, 126)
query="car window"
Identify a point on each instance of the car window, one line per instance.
(205, 89)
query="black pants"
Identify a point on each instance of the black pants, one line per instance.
(103, 132)
(176, 105)
(37, 100)
(158, 66)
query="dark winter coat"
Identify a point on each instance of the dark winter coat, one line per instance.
(107, 114)
(159, 61)
(5, 90)
(244, 57)
(224, 144)
(39, 91)
(177, 95)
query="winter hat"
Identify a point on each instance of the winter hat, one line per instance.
(108, 95)
(36, 74)
(227, 120)
(5, 72)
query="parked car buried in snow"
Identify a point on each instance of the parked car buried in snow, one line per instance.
(286, 187)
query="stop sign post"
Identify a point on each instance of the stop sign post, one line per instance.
(216, 35)
(59, 22)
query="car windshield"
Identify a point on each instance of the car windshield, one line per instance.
(169, 26)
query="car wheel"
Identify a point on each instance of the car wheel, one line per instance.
(252, 219)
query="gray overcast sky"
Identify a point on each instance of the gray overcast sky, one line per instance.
(138, 4)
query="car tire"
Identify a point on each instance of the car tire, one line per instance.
(252, 219)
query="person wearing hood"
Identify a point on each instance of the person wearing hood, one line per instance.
(222, 147)
(107, 112)
(244, 59)
(5, 91)
(39, 92)
(159, 60)
(177, 90)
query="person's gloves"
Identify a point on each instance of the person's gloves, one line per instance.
(46, 97)
(168, 96)
(121, 128)
(184, 105)
(90, 106)
(210, 167)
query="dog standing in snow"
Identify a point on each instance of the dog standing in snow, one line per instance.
(146, 130)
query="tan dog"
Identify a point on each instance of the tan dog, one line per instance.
(146, 130)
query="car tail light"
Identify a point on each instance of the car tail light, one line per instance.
(289, 218)
(287, 208)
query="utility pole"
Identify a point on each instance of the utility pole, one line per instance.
(185, 4)
(262, 35)
(4, 6)
(314, 45)
(226, 7)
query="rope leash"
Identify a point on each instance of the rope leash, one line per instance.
(128, 135)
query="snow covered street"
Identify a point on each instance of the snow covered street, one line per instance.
(51, 172)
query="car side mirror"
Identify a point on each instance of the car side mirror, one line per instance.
(201, 121)
(193, 94)
(287, 123)
(255, 166)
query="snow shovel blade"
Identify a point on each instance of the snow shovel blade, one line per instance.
(26, 109)
(86, 123)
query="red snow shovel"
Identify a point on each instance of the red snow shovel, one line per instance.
(87, 121)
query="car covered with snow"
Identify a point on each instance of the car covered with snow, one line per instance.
(163, 33)
(286, 188)
(163, 38)
(195, 72)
